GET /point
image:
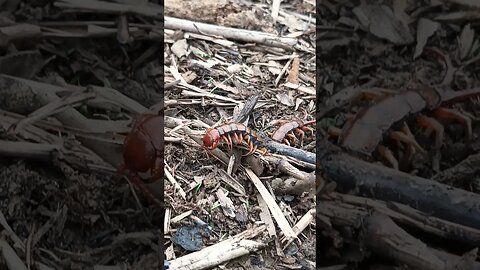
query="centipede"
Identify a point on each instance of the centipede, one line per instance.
(230, 134)
(289, 130)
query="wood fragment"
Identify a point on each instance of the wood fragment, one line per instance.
(302, 224)
(379, 182)
(386, 238)
(221, 252)
(230, 33)
(405, 215)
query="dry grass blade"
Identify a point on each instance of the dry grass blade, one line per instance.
(42, 151)
(265, 216)
(11, 258)
(52, 108)
(175, 183)
(18, 242)
(272, 205)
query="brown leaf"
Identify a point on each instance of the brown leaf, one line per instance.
(293, 75)
(425, 29)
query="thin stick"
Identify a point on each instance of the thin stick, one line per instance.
(230, 33)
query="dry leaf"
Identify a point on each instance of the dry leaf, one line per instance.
(330, 44)
(234, 68)
(225, 87)
(381, 22)
(297, 103)
(179, 48)
(226, 203)
(285, 100)
(189, 76)
(207, 64)
(272, 67)
(425, 29)
(293, 23)
(465, 41)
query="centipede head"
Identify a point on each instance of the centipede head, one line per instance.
(211, 139)
(208, 141)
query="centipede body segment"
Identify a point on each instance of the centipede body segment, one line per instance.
(232, 133)
(364, 133)
(289, 130)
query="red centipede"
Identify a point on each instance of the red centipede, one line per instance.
(288, 131)
(233, 133)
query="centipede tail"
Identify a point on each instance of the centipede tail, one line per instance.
(287, 133)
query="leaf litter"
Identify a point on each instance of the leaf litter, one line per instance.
(226, 78)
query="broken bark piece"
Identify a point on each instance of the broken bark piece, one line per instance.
(299, 183)
(370, 180)
(406, 215)
(221, 252)
(460, 173)
(383, 236)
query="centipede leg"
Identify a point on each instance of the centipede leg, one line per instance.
(236, 138)
(402, 137)
(229, 138)
(228, 141)
(285, 141)
(388, 155)
(250, 149)
(224, 138)
(240, 139)
(253, 149)
(334, 132)
(410, 152)
(300, 134)
(247, 138)
(292, 137)
(429, 122)
(308, 130)
(449, 114)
